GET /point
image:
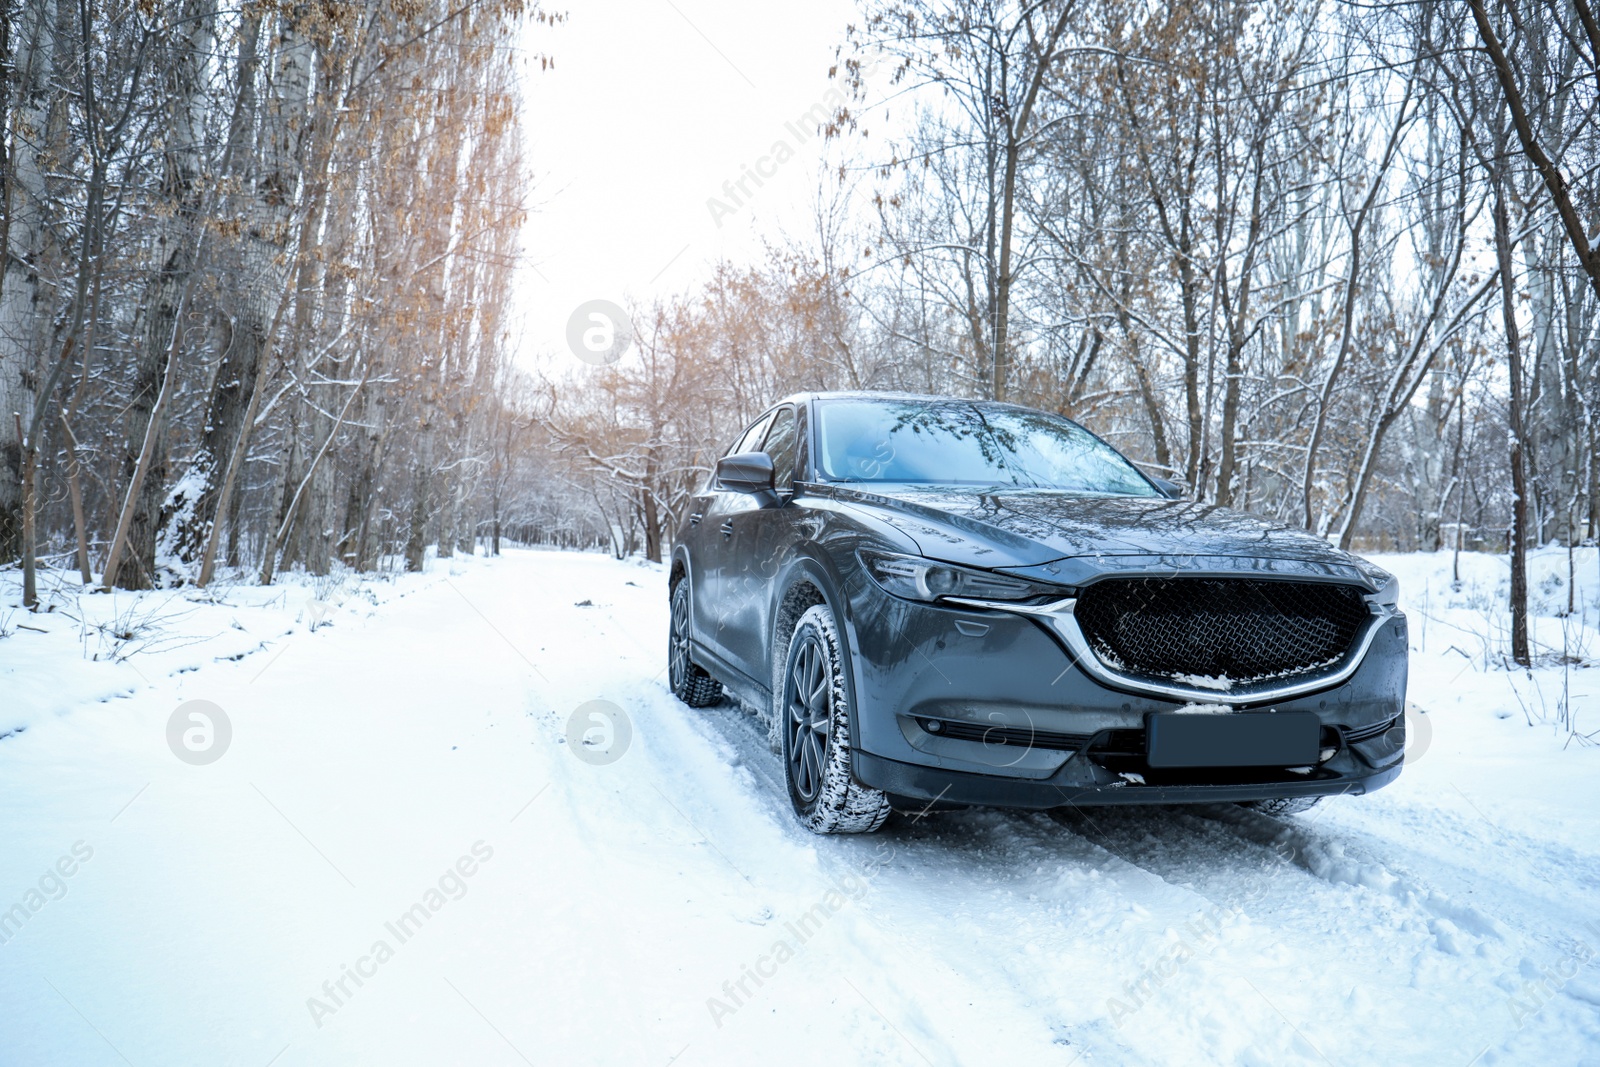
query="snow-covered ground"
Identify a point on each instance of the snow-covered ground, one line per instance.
(402, 857)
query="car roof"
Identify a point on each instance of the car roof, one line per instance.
(870, 394)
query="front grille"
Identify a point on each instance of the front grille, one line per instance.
(1220, 632)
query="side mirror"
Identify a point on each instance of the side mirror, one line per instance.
(745, 472)
(1170, 489)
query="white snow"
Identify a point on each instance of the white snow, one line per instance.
(402, 803)
(1221, 682)
(1205, 709)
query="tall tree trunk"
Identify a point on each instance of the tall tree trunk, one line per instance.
(1228, 461)
(141, 470)
(178, 249)
(1237, 319)
(1519, 487)
(233, 384)
(363, 489)
(316, 295)
(1152, 408)
(24, 301)
(1016, 131)
(30, 492)
(421, 502)
(75, 491)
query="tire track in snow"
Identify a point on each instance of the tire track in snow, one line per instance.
(878, 946)
(1276, 864)
(976, 853)
(1332, 862)
(1530, 964)
(1546, 878)
(1261, 867)
(1353, 903)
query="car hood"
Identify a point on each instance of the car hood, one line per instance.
(1028, 528)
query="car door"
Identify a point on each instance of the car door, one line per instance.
(714, 573)
(763, 539)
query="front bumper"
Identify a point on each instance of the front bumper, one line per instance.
(963, 707)
(915, 786)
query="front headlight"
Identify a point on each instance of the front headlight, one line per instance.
(916, 578)
(1388, 594)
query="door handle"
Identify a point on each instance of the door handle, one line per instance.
(694, 520)
(727, 527)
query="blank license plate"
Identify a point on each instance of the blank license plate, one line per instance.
(1244, 739)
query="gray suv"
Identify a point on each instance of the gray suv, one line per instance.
(944, 602)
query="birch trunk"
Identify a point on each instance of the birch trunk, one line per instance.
(23, 301)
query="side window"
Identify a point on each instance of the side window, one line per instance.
(750, 440)
(780, 446)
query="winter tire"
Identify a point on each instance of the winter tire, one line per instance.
(1283, 805)
(814, 718)
(689, 683)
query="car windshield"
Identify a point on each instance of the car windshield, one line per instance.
(943, 442)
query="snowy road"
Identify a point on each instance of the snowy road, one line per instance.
(400, 859)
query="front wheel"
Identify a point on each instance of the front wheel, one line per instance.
(690, 684)
(815, 724)
(1282, 805)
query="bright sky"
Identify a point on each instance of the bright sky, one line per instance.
(652, 106)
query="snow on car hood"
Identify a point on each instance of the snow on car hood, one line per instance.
(1027, 528)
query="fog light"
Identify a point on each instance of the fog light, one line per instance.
(932, 725)
(1327, 754)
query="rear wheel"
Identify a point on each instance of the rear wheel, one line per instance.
(689, 683)
(815, 723)
(1282, 805)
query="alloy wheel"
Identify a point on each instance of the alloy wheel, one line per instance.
(678, 643)
(809, 702)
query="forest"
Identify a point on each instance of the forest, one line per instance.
(256, 278)
(1337, 264)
